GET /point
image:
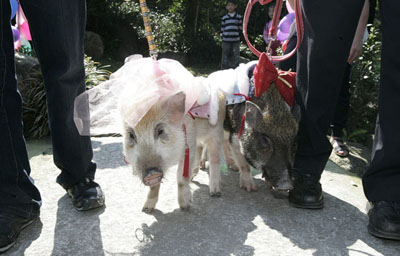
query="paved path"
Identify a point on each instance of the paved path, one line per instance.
(238, 223)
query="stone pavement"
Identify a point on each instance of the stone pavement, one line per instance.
(238, 223)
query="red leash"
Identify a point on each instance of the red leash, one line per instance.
(187, 155)
(275, 22)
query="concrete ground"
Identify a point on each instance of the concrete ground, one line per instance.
(238, 223)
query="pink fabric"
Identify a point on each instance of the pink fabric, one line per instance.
(23, 24)
(147, 82)
(200, 111)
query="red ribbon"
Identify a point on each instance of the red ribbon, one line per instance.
(265, 74)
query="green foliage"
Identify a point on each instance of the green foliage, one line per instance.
(34, 105)
(95, 74)
(365, 88)
(34, 111)
(179, 26)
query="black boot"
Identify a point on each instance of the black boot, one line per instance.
(384, 220)
(86, 195)
(307, 191)
(10, 227)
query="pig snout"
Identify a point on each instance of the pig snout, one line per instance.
(281, 188)
(280, 180)
(283, 185)
(152, 176)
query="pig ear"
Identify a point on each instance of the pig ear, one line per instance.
(253, 114)
(175, 106)
(296, 112)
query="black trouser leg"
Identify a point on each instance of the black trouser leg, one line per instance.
(18, 195)
(58, 28)
(343, 105)
(329, 28)
(381, 182)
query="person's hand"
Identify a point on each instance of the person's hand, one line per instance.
(356, 50)
(356, 47)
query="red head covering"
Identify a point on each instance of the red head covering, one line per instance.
(265, 74)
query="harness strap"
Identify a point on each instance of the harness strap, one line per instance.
(273, 30)
(242, 124)
(275, 21)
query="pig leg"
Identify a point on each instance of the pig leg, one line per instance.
(197, 162)
(152, 198)
(184, 192)
(215, 173)
(230, 163)
(246, 180)
(203, 160)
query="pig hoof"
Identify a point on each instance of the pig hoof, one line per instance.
(203, 164)
(147, 210)
(233, 168)
(249, 188)
(185, 208)
(247, 182)
(194, 174)
(215, 194)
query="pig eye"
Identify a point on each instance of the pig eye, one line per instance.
(160, 132)
(132, 136)
(266, 142)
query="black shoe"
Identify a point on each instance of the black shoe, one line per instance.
(384, 220)
(307, 191)
(86, 195)
(10, 227)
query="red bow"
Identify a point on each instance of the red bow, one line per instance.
(265, 74)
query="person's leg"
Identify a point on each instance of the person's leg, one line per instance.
(225, 55)
(235, 55)
(329, 28)
(381, 181)
(19, 199)
(58, 28)
(341, 115)
(343, 105)
(16, 187)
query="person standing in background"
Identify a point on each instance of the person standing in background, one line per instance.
(231, 27)
(276, 43)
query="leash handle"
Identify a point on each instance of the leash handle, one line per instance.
(147, 28)
(274, 26)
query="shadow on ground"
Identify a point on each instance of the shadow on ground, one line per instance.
(77, 233)
(225, 226)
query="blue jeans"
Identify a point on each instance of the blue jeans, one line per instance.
(230, 55)
(57, 28)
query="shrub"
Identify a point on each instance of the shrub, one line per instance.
(364, 86)
(34, 112)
